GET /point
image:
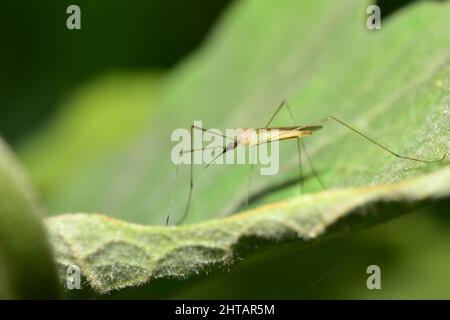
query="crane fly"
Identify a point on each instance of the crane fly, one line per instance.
(252, 137)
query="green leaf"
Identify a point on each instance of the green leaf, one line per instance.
(114, 254)
(27, 269)
(319, 56)
(392, 84)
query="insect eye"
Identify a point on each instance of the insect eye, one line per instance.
(230, 146)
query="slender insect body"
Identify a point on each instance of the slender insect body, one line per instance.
(285, 133)
(247, 137)
(254, 137)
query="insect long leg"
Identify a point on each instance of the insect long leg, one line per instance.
(315, 173)
(300, 167)
(176, 175)
(191, 167)
(300, 144)
(200, 149)
(191, 178)
(249, 183)
(379, 144)
(172, 194)
(282, 104)
(211, 132)
(299, 149)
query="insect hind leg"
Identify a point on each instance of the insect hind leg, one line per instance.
(300, 145)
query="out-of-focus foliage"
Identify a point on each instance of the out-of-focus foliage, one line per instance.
(94, 126)
(27, 269)
(42, 61)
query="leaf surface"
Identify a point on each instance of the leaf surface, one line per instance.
(114, 254)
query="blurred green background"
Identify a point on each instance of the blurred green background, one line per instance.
(42, 62)
(132, 45)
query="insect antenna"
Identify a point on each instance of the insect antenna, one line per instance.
(379, 144)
